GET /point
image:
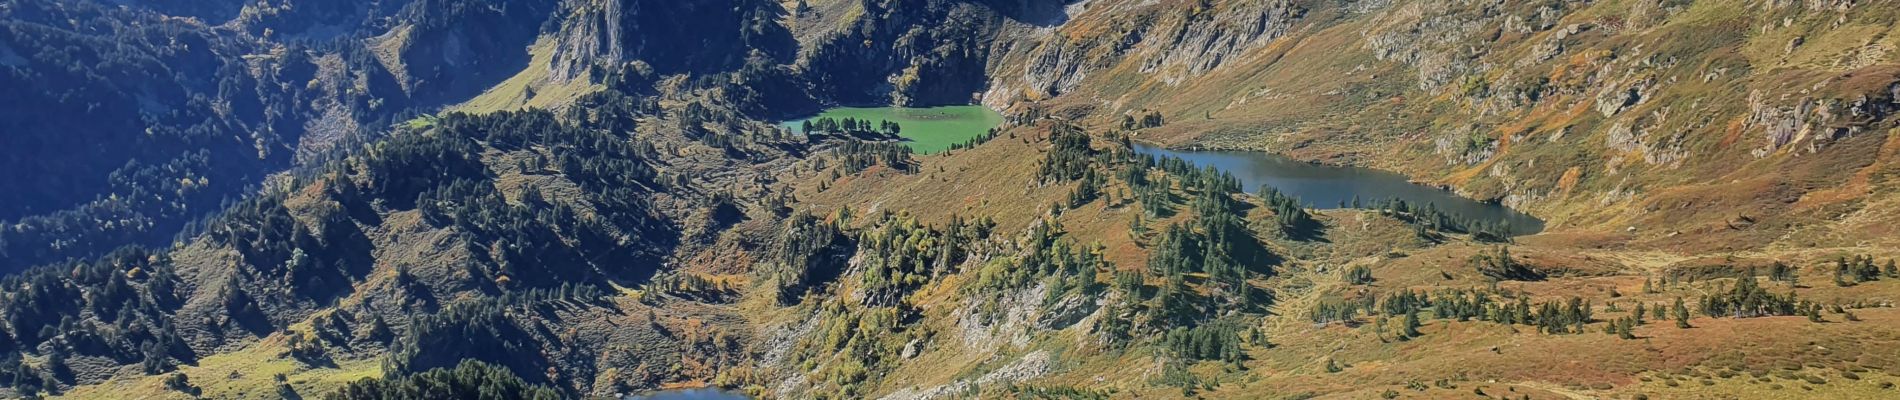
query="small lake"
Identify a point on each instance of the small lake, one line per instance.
(691, 394)
(927, 130)
(1326, 187)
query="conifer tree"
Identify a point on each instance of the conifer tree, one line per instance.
(1410, 327)
(1682, 314)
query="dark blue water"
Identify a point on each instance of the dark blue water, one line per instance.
(691, 394)
(1327, 187)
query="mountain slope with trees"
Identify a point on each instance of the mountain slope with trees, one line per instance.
(652, 226)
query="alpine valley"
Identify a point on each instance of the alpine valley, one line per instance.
(928, 199)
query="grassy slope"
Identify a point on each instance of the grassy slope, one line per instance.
(1319, 94)
(246, 373)
(996, 179)
(531, 88)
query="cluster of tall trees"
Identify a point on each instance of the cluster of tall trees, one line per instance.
(471, 380)
(973, 142)
(1749, 299)
(115, 309)
(314, 260)
(1624, 327)
(1070, 156)
(854, 342)
(1429, 217)
(688, 285)
(1044, 255)
(901, 254)
(1219, 341)
(856, 156)
(1150, 119)
(1498, 264)
(1334, 309)
(1154, 194)
(480, 330)
(1860, 269)
(808, 252)
(849, 126)
(1087, 190)
(1215, 242)
(1289, 213)
(1559, 316)
(1562, 316)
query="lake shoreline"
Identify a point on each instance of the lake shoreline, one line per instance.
(1322, 185)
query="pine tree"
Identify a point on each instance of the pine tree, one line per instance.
(1781, 272)
(1636, 316)
(1410, 327)
(1682, 314)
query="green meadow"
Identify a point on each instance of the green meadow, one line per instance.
(926, 130)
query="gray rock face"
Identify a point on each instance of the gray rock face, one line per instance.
(672, 36)
(1203, 40)
(1171, 42)
(1033, 365)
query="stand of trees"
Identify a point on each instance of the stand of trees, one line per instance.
(1861, 269)
(850, 126)
(1046, 256)
(1565, 316)
(1498, 264)
(1430, 217)
(1289, 213)
(1070, 156)
(808, 253)
(470, 380)
(900, 254)
(1748, 299)
(973, 142)
(855, 157)
(117, 309)
(1150, 119)
(1218, 341)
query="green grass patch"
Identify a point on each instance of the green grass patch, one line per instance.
(926, 130)
(425, 121)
